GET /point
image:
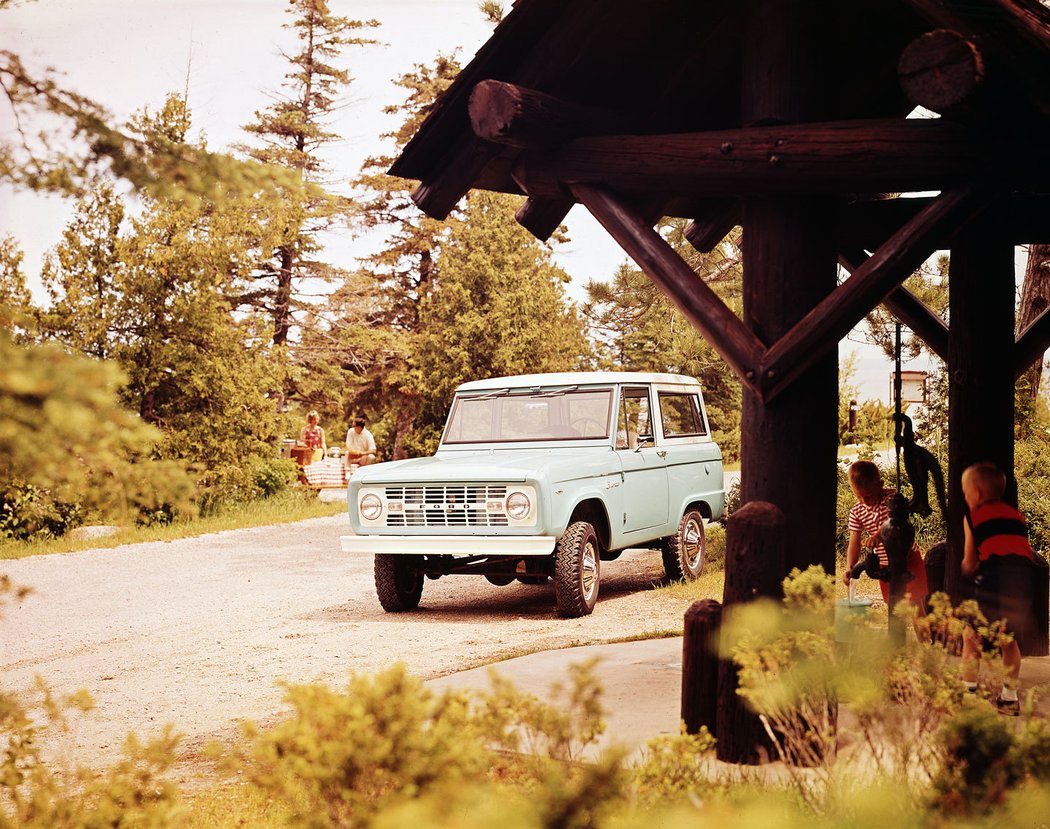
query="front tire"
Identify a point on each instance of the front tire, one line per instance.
(399, 582)
(577, 571)
(685, 551)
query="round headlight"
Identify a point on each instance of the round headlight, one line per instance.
(371, 507)
(518, 505)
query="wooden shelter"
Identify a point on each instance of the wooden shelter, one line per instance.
(790, 119)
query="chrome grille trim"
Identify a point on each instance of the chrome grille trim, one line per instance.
(446, 505)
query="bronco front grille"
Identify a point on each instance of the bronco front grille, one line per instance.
(460, 505)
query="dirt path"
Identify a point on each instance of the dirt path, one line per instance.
(199, 632)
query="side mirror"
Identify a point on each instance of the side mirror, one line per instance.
(643, 441)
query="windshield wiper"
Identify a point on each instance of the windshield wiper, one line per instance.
(489, 395)
(556, 392)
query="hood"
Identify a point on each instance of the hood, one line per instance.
(512, 466)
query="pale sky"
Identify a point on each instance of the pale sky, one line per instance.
(127, 54)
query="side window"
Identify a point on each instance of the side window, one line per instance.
(680, 414)
(634, 422)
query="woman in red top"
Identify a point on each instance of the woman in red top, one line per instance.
(312, 436)
(996, 552)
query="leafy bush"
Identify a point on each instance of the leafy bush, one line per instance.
(272, 475)
(344, 758)
(914, 726)
(28, 512)
(1032, 469)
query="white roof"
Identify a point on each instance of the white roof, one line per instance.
(578, 378)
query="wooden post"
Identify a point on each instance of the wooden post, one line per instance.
(700, 666)
(980, 369)
(755, 549)
(789, 262)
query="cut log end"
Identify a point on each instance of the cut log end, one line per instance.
(940, 70)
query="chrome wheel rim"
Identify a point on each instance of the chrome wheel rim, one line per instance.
(693, 542)
(589, 570)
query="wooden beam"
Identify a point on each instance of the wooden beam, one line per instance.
(446, 155)
(507, 114)
(541, 217)
(881, 155)
(725, 331)
(910, 310)
(707, 232)
(439, 195)
(867, 224)
(1032, 343)
(822, 328)
(940, 70)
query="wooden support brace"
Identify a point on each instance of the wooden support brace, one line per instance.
(832, 318)
(541, 217)
(726, 332)
(437, 196)
(1032, 343)
(910, 310)
(721, 217)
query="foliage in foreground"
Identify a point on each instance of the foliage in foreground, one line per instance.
(387, 751)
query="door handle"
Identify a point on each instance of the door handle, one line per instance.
(662, 453)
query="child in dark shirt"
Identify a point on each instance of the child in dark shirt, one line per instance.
(997, 553)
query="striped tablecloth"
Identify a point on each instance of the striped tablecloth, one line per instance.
(326, 472)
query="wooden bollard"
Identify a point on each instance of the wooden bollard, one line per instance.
(756, 550)
(700, 665)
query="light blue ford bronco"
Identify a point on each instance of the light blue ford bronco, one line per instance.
(544, 477)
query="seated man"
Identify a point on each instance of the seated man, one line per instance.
(360, 445)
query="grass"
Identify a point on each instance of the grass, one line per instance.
(283, 508)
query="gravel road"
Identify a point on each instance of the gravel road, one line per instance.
(200, 632)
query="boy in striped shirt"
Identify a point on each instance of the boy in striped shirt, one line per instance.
(997, 553)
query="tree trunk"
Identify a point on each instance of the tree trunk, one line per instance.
(282, 308)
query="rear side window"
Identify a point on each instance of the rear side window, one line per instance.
(680, 413)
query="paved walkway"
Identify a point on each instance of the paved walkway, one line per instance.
(642, 684)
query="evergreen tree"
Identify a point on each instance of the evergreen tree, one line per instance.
(294, 134)
(152, 299)
(497, 308)
(639, 329)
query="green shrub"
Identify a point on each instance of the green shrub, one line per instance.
(272, 475)
(1032, 469)
(715, 547)
(980, 766)
(28, 512)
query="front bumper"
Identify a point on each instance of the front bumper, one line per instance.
(450, 545)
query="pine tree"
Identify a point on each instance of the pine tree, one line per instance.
(639, 329)
(149, 294)
(294, 135)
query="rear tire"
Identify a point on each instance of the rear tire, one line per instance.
(399, 582)
(685, 551)
(577, 572)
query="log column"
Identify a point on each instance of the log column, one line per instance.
(789, 252)
(789, 247)
(980, 369)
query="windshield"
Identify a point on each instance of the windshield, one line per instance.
(514, 415)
